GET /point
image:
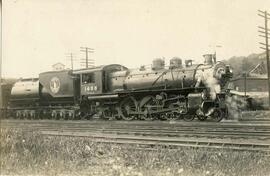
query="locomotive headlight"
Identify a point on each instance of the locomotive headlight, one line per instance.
(219, 72)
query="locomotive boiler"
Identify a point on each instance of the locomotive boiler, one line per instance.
(180, 90)
(113, 91)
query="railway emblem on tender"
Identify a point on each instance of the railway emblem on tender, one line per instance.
(55, 85)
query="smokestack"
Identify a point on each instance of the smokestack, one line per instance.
(208, 59)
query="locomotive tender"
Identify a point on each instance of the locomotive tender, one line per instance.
(180, 91)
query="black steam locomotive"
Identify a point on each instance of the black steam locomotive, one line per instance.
(114, 91)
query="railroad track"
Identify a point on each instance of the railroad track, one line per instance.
(173, 131)
(255, 116)
(228, 135)
(175, 142)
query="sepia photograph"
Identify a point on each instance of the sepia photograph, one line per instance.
(135, 88)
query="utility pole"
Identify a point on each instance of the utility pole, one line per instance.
(87, 61)
(265, 31)
(70, 57)
(1, 96)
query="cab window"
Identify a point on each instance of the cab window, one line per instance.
(88, 78)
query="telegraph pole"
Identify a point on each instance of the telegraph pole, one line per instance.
(1, 98)
(87, 61)
(265, 31)
(70, 56)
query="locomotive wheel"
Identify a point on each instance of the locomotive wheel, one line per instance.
(201, 117)
(107, 114)
(164, 116)
(189, 117)
(84, 116)
(146, 103)
(127, 106)
(217, 115)
(117, 114)
(114, 114)
(173, 115)
(76, 115)
(71, 116)
(147, 116)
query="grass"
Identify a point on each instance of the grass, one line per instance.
(26, 152)
(256, 114)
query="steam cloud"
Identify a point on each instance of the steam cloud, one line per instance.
(235, 105)
(210, 81)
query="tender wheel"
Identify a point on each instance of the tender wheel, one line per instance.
(70, 115)
(33, 115)
(127, 107)
(17, 115)
(53, 115)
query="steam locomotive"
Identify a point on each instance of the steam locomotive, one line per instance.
(185, 91)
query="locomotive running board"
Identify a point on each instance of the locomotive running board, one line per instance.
(102, 97)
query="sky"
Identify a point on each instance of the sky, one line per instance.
(37, 34)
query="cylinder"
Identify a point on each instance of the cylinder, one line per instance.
(208, 59)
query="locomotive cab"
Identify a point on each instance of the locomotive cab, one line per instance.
(91, 83)
(95, 81)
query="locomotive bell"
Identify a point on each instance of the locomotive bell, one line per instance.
(175, 62)
(158, 64)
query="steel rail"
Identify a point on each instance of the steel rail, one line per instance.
(179, 142)
(172, 129)
(201, 134)
(225, 135)
(160, 131)
(141, 123)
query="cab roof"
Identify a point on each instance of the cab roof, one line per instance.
(111, 67)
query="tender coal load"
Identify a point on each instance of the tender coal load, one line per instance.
(25, 91)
